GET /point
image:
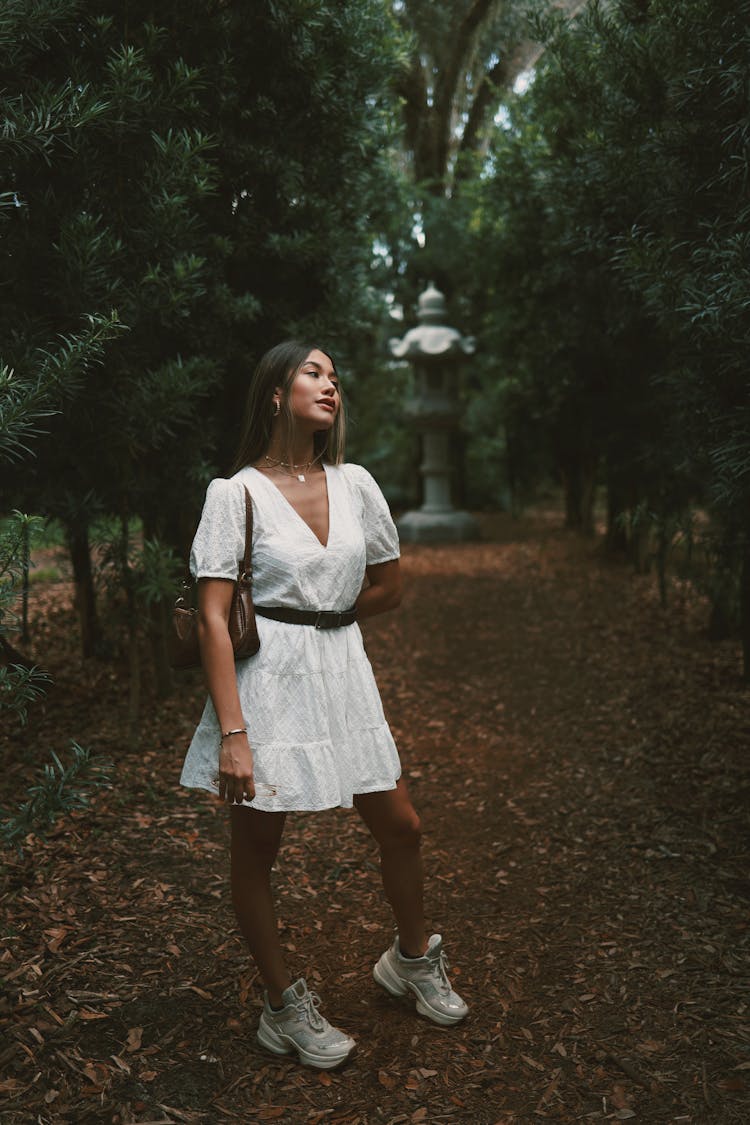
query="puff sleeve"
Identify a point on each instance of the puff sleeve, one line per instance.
(381, 537)
(219, 543)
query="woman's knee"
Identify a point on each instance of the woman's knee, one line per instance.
(252, 866)
(403, 831)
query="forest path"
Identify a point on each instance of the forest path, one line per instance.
(577, 755)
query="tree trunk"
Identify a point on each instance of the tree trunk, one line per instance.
(745, 605)
(640, 547)
(724, 593)
(25, 564)
(159, 622)
(158, 614)
(662, 555)
(134, 681)
(460, 494)
(579, 486)
(83, 582)
(616, 536)
(513, 477)
(134, 657)
(588, 495)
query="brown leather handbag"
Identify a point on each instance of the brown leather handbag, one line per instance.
(184, 649)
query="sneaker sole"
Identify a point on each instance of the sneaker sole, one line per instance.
(285, 1045)
(392, 983)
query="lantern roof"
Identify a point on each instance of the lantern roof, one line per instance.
(431, 338)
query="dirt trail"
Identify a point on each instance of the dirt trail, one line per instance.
(577, 755)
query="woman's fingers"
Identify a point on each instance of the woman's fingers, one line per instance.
(236, 772)
(247, 788)
(236, 789)
(239, 790)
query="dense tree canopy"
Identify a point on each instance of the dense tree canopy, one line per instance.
(464, 57)
(617, 214)
(206, 176)
(183, 187)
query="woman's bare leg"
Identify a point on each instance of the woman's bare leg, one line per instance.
(256, 837)
(394, 823)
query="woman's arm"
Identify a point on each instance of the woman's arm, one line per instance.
(383, 592)
(235, 756)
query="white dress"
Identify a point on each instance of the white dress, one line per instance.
(309, 698)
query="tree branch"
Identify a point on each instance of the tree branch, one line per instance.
(495, 80)
(412, 88)
(449, 76)
(447, 83)
(501, 77)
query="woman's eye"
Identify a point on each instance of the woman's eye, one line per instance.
(317, 375)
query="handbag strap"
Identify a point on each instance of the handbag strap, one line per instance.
(247, 557)
(246, 566)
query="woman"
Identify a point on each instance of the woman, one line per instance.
(300, 726)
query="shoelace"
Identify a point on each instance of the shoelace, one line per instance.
(308, 1009)
(441, 965)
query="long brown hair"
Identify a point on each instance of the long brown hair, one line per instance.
(278, 368)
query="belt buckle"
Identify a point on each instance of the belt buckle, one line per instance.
(317, 619)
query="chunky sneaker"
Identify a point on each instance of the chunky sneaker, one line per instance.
(300, 1027)
(426, 977)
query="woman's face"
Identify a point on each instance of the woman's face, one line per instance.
(314, 394)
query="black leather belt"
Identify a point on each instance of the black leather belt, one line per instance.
(321, 619)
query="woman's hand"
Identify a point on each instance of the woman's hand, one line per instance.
(236, 770)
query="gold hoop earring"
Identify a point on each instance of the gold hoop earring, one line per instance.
(277, 406)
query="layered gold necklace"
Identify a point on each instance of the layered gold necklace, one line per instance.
(291, 468)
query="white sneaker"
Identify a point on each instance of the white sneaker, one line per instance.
(300, 1027)
(426, 977)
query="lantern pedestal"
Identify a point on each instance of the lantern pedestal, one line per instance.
(421, 526)
(435, 350)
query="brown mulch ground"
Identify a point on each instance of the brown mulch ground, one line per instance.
(577, 754)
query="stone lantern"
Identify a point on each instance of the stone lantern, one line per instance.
(435, 350)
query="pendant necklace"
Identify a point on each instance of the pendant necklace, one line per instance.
(290, 468)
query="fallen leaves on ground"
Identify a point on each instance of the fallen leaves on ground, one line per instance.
(578, 757)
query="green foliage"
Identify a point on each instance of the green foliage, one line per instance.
(13, 531)
(61, 789)
(207, 177)
(20, 687)
(148, 568)
(615, 222)
(458, 60)
(43, 574)
(156, 572)
(48, 379)
(17, 534)
(221, 196)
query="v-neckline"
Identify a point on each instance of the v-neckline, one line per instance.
(323, 546)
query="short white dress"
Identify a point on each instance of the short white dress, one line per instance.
(309, 699)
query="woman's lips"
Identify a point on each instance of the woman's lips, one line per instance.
(326, 405)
